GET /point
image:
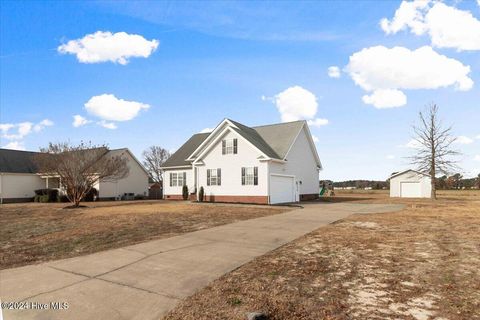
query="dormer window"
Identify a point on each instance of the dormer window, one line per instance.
(229, 146)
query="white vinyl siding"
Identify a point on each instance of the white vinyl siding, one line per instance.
(231, 169)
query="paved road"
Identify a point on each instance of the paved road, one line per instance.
(146, 280)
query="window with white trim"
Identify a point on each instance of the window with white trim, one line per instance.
(229, 146)
(178, 179)
(249, 176)
(214, 177)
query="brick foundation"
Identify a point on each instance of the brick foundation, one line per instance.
(238, 199)
(311, 196)
(230, 199)
(174, 197)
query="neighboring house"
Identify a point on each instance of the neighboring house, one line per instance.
(268, 164)
(19, 177)
(410, 184)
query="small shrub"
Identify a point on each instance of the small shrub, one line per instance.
(185, 192)
(41, 192)
(201, 194)
(50, 194)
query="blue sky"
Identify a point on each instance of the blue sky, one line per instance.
(162, 71)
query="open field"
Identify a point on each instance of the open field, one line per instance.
(36, 232)
(420, 263)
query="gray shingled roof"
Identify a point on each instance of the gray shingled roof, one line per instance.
(178, 158)
(280, 136)
(14, 161)
(273, 140)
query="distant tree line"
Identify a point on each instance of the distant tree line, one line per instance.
(455, 181)
(362, 184)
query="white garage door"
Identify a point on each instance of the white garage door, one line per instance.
(282, 189)
(410, 189)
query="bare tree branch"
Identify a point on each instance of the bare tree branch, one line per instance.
(434, 154)
(153, 159)
(80, 167)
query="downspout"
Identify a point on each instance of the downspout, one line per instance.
(268, 181)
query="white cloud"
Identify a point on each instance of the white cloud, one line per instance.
(42, 124)
(79, 121)
(108, 107)
(318, 122)
(315, 138)
(390, 157)
(408, 15)
(478, 137)
(4, 127)
(296, 103)
(105, 46)
(413, 144)
(18, 131)
(206, 130)
(22, 130)
(15, 145)
(107, 125)
(477, 157)
(390, 70)
(463, 140)
(385, 98)
(448, 27)
(334, 72)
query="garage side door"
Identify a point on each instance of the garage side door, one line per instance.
(281, 189)
(410, 189)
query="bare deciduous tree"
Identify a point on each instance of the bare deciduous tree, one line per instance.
(80, 167)
(153, 159)
(434, 153)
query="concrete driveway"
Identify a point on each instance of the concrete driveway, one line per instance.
(146, 280)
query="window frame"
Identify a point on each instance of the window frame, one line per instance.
(229, 146)
(249, 178)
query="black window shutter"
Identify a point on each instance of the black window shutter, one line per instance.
(208, 177)
(243, 176)
(171, 181)
(184, 179)
(255, 176)
(219, 177)
(235, 146)
(224, 144)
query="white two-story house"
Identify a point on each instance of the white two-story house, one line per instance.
(269, 164)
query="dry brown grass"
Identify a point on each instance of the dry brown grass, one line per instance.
(34, 232)
(420, 263)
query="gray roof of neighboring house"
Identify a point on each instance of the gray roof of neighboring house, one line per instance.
(15, 161)
(273, 140)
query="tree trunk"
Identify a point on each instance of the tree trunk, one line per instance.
(433, 193)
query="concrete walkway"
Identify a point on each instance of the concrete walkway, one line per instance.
(146, 280)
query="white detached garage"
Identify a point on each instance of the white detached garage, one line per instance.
(410, 184)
